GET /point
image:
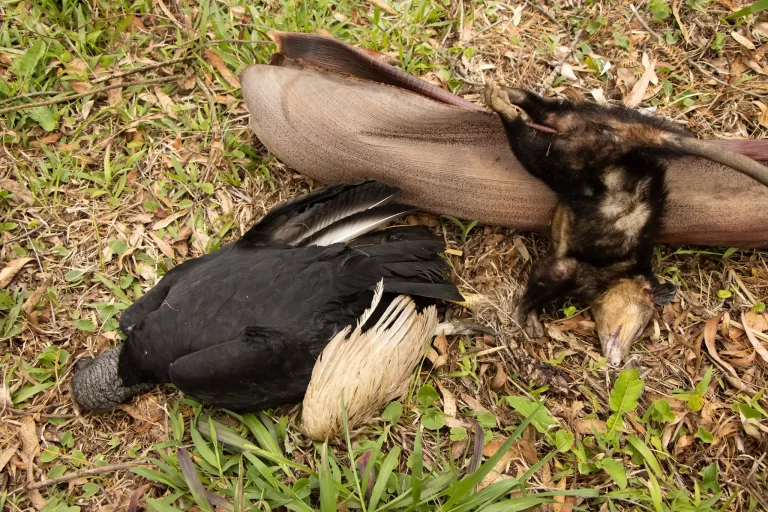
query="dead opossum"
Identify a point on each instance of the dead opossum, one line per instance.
(606, 166)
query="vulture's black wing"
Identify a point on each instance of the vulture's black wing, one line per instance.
(260, 369)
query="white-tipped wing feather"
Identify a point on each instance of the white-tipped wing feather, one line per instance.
(367, 369)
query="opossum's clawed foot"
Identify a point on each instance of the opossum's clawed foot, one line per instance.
(530, 323)
(497, 99)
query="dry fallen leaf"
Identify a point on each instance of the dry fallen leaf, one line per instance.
(162, 223)
(166, 103)
(441, 344)
(710, 330)
(11, 269)
(743, 41)
(384, 6)
(216, 61)
(164, 246)
(759, 348)
(80, 87)
(500, 379)
(19, 191)
(30, 304)
(473, 403)
(635, 97)
(584, 427)
(449, 401)
(560, 505)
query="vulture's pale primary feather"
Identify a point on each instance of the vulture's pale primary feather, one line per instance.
(355, 225)
(366, 369)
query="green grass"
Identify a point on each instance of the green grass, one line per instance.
(119, 186)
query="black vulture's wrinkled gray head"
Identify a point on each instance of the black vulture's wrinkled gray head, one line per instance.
(96, 384)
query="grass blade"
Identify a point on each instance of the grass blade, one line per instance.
(647, 454)
(194, 484)
(755, 8)
(432, 487)
(515, 504)
(389, 464)
(417, 478)
(460, 489)
(328, 494)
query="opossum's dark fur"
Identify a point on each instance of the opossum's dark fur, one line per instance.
(606, 166)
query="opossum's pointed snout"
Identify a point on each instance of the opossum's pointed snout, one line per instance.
(621, 315)
(96, 384)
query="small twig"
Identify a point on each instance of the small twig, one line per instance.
(22, 412)
(559, 66)
(645, 24)
(723, 82)
(543, 10)
(143, 69)
(29, 95)
(86, 472)
(92, 92)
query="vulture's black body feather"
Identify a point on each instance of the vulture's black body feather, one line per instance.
(242, 327)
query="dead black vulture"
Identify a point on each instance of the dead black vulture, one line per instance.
(243, 327)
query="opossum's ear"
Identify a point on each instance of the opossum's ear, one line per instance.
(662, 294)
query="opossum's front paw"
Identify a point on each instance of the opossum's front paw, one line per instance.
(533, 327)
(530, 323)
(497, 99)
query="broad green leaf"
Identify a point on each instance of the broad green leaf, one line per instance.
(85, 325)
(50, 453)
(709, 478)
(433, 419)
(73, 275)
(704, 436)
(486, 419)
(626, 391)
(32, 56)
(393, 412)
(617, 471)
(563, 440)
(719, 42)
(427, 395)
(621, 40)
(458, 433)
(118, 246)
(90, 489)
(659, 411)
(540, 419)
(659, 9)
(44, 117)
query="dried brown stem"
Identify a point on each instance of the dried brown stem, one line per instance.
(143, 69)
(98, 90)
(85, 472)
